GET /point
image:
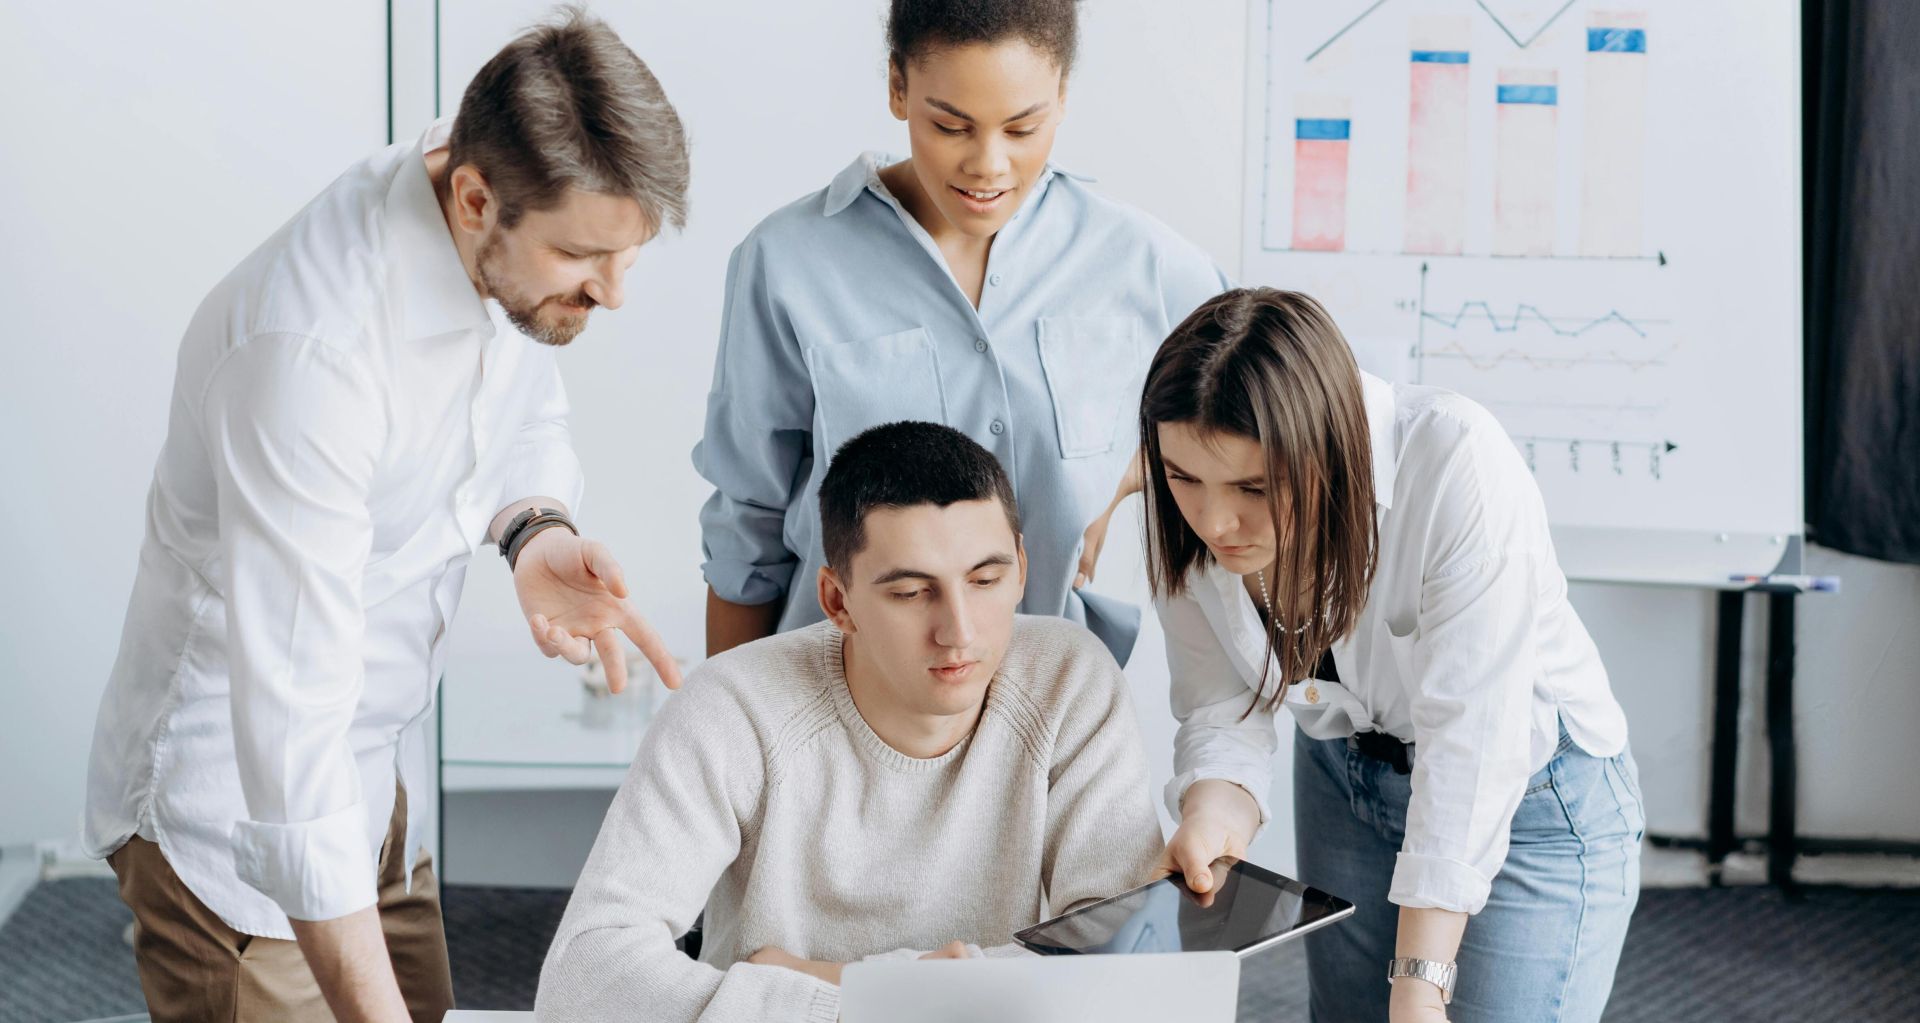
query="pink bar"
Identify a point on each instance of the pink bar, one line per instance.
(1437, 159)
(1320, 194)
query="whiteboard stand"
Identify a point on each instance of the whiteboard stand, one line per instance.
(1782, 843)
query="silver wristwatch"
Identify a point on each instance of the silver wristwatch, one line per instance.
(1440, 975)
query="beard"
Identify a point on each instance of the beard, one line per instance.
(525, 315)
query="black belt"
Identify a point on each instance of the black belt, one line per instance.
(1384, 748)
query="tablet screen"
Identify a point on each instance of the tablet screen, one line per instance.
(1250, 909)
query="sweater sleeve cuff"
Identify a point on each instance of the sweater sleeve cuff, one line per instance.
(1177, 787)
(1435, 882)
(313, 870)
(764, 991)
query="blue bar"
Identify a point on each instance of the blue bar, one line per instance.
(1544, 95)
(1439, 56)
(1322, 128)
(1616, 40)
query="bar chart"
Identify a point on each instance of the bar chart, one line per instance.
(1522, 134)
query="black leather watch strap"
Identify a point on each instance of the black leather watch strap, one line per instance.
(523, 528)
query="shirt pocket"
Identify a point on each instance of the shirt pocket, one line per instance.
(862, 384)
(1091, 363)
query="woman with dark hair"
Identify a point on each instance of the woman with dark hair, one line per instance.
(972, 283)
(1376, 558)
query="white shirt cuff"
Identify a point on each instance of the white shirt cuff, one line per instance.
(1435, 882)
(1177, 790)
(314, 870)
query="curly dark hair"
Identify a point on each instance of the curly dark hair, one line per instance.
(916, 26)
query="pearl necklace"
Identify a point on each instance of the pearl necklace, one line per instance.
(1261, 576)
(1312, 693)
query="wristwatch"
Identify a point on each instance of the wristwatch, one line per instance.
(1440, 975)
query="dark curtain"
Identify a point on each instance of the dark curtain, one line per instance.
(1862, 206)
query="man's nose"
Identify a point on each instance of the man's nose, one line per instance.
(608, 287)
(954, 629)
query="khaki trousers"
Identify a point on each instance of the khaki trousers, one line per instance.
(193, 967)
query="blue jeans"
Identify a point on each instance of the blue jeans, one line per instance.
(1545, 946)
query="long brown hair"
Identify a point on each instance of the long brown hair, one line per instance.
(1270, 366)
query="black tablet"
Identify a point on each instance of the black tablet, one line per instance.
(1251, 909)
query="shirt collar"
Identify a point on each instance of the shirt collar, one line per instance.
(1377, 395)
(864, 173)
(436, 295)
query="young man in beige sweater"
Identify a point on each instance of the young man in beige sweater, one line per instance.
(925, 770)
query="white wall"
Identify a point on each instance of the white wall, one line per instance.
(1857, 699)
(143, 152)
(170, 146)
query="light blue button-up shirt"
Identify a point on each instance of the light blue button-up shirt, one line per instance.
(841, 315)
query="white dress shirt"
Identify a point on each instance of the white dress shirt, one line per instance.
(348, 416)
(1467, 648)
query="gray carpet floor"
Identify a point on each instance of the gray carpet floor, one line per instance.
(1727, 954)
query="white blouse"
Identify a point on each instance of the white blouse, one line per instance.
(1467, 648)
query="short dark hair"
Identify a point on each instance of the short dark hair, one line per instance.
(916, 26)
(568, 105)
(900, 465)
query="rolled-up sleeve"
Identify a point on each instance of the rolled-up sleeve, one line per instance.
(1223, 733)
(295, 428)
(543, 462)
(757, 445)
(1475, 670)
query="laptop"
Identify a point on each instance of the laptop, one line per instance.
(1192, 987)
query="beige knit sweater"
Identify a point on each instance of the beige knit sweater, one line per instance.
(760, 795)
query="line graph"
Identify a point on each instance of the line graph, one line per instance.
(1494, 16)
(1536, 360)
(1527, 315)
(1529, 312)
(1535, 369)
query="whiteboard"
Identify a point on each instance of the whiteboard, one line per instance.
(1585, 216)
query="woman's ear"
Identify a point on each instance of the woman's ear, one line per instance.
(897, 91)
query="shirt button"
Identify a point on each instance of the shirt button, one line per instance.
(980, 344)
(993, 279)
(997, 428)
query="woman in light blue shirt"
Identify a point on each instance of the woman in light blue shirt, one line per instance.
(972, 284)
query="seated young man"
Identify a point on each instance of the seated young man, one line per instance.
(924, 770)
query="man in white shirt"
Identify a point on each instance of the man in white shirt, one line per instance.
(357, 409)
(921, 772)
